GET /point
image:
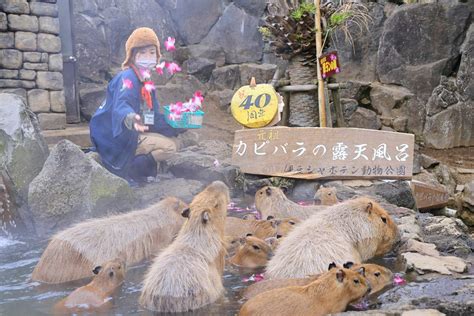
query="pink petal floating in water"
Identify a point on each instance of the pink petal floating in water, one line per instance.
(254, 277)
(126, 84)
(361, 305)
(399, 280)
(169, 44)
(160, 67)
(172, 68)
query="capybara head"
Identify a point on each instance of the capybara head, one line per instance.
(266, 196)
(378, 276)
(110, 275)
(175, 204)
(284, 226)
(265, 229)
(326, 196)
(253, 252)
(352, 283)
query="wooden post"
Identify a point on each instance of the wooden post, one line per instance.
(336, 99)
(319, 49)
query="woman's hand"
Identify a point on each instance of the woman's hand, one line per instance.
(138, 126)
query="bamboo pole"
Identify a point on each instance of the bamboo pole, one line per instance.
(321, 101)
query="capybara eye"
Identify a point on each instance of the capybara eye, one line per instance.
(111, 273)
(377, 274)
(256, 247)
(356, 281)
(384, 219)
(249, 234)
(269, 217)
(292, 223)
(329, 193)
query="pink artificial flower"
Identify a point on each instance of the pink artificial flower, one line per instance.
(176, 108)
(254, 277)
(149, 86)
(398, 279)
(169, 44)
(174, 116)
(172, 68)
(216, 163)
(145, 74)
(159, 68)
(126, 84)
(198, 96)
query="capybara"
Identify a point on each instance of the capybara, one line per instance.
(326, 196)
(378, 277)
(134, 236)
(187, 274)
(253, 252)
(271, 201)
(355, 230)
(285, 226)
(95, 296)
(236, 228)
(331, 293)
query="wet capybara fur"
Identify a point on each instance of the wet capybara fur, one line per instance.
(326, 196)
(187, 275)
(73, 253)
(236, 228)
(253, 252)
(355, 230)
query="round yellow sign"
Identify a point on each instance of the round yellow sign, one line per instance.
(255, 106)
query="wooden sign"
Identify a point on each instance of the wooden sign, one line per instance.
(313, 152)
(428, 196)
(329, 64)
(254, 105)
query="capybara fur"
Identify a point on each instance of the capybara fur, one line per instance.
(133, 237)
(271, 201)
(355, 230)
(326, 196)
(331, 293)
(95, 296)
(236, 228)
(187, 275)
(378, 277)
(253, 252)
(285, 226)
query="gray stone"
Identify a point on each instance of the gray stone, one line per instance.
(35, 66)
(183, 189)
(428, 162)
(44, 58)
(27, 74)
(12, 83)
(27, 23)
(400, 124)
(89, 7)
(91, 97)
(25, 41)
(221, 97)
(8, 74)
(364, 118)
(7, 40)
(349, 106)
(3, 21)
(38, 100)
(443, 96)
(215, 53)
(405, 35)
(49, 80)
(395, 192)
(56, 62)
(49, 25)
(439, 264)
(32, 57)
(15, 6)
(466, 213)
(384, 98)
(465, 76)
(252, 7)
(49, 43)
(262, 73)
(23, 148)
(179, 88)
(227, 77)
(40, 8)
(104, 4)
(201, 68)
(17, 91)
(49, 121)
(71, 188)
(58, 101)
(240, 28)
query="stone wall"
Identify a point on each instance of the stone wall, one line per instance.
(31, 63)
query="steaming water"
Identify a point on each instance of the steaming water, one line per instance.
(20, 296)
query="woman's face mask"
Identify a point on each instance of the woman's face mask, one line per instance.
(146, 57)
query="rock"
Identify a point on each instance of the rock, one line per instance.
(49, 25)
(238, 27)
(446, 177)
(11, 83)
(55, 62)
(15, 6)
(91, 97)
(23, 149)
(395, 192)
(364, 118)
(466, 213)
(49, 43)
(116, 24)
(222, 97)
(421, 263)
(349, 106)
(27, 74)
(465, 77)
(3, 21)
(19, 92)
(384, 98)
(422, 312)
(214, 53)
(428, 162)
(27, 23)
(255, 8)
(263, 73)
(32, 57)
(35, 66)
(227, 77)
(200, 17)
(10, 59)
(304, 191)
(38, 100)
(201, 68)
(72, 188)
(49, 80)
(405, 35)
(358, 90)
(40, 8)
(421, 248)
(409, 225)
(25, 41)
(8, 74)
(181, 188)
(58, 101)
(49, 121)
(180, 88)
(7, 40)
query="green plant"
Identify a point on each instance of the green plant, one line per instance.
(302, 9)
(265, 31)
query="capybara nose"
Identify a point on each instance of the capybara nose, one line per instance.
(279, 236)
(369, 288)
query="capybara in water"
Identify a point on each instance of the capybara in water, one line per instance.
(326, 196)
(355, 230)
(236, 228)
(378, 277)
(331, 293)
(253, 252)
(285, 226)
(134, 236)
(95, 296)
(187, 275)
(271, 201)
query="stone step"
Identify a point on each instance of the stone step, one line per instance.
(76, 133)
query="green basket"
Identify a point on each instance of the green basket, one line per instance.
(188, 119)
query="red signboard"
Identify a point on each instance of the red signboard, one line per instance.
(329, 64)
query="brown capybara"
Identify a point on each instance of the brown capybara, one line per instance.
(355, 230)
(187, 274)
(95, 296)
(326, 196)
(331, 293)
(134, 236)
(236, 228)
(285, 226)
(253, 252)
(271, 201)
(379, 277)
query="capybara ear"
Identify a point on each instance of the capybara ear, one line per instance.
(332, 265)
(369, 208)
(97, 269)
(269, 217)
(274, 223)
(348, 264)
(361, 271)
(271, 241)
(317, 186)
(340, 275)
(205, 217)
(185, 213)
(268, 191)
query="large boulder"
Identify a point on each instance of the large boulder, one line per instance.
(91, 97)
(433, 29)
(180, 88)
(72, 188)
(466, 213)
